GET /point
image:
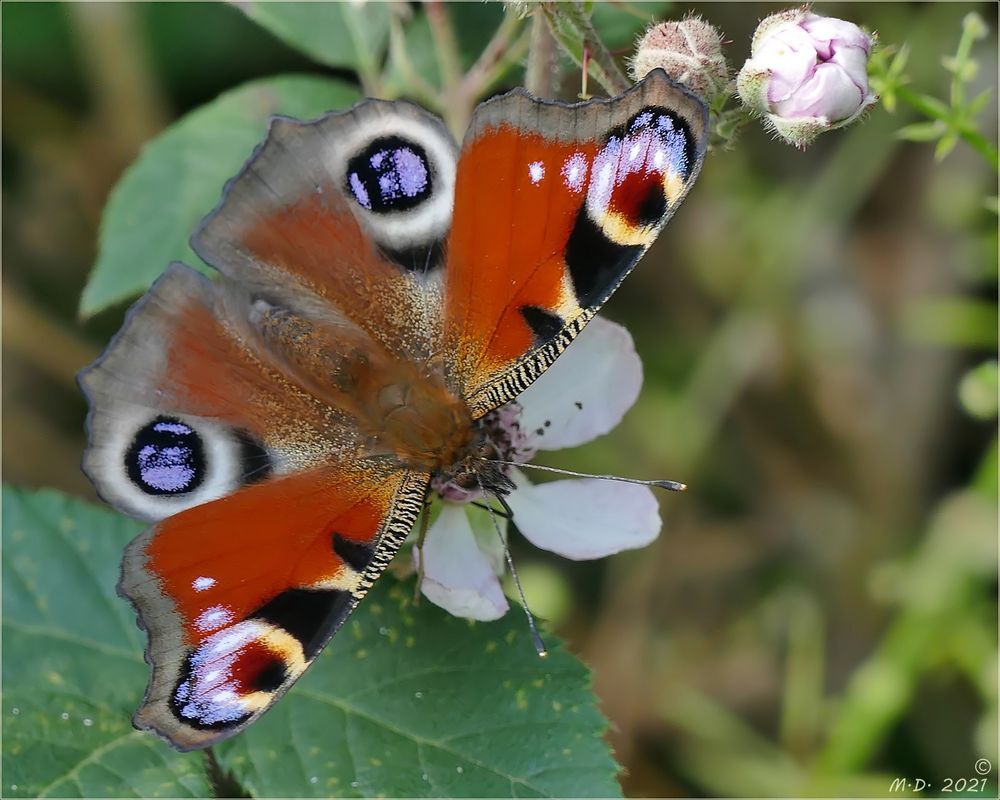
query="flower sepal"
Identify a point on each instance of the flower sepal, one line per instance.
(751, 84)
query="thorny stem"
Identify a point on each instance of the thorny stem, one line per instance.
(455, 107)
(368, 70)
(570, 14)
(540, 76)
(427, 93)
(496, 53)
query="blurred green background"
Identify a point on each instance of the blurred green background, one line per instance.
(819, 615)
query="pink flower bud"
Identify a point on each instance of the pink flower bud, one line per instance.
(689, 51)
(806, 74)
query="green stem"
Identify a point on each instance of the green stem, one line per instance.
(516, 52)
(962, 54)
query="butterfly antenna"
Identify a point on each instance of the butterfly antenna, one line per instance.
(536, 638)
(672, 486)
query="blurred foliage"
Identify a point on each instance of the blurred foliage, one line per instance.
(819, 337)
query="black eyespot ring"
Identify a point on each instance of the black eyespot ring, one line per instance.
(390, 174)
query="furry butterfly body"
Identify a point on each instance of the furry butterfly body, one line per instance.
(381, 292)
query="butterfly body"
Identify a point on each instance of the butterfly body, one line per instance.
(381, 293)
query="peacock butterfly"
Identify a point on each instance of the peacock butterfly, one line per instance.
(381, 291)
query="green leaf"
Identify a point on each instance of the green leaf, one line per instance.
(921, 131)
(933, 107)
(406, 701)
(978, 390)
(945, 146)
(618, 24)
(978, 103)
(73, 670)
(337, 34)
(178, 179)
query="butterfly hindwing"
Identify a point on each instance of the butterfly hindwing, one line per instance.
(238, 596)
(272, 522)
(554, 204)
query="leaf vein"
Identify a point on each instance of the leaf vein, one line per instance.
(73, 773)
(348, 709)
(55, 633)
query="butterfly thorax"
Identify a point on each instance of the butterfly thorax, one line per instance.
(429, 428)
(418, 419)
(401, 407)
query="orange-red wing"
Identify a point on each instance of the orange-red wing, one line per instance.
(238, 596)
(554, 204)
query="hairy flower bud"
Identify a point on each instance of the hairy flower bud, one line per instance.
(689, 51)
(806, 74)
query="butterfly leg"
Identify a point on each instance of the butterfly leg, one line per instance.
(507, 515)
(425, 517)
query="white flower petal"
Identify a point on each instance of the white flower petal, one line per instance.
(457, 575)
(587, 518)
(586, 392)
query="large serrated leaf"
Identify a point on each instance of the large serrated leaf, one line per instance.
(178, 179)
(72, 661)
(351, 35)
(406, 701)
(411, 702)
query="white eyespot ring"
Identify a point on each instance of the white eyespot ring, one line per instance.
(112, 466)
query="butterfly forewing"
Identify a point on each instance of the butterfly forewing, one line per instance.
(554, 204)
(352, 210)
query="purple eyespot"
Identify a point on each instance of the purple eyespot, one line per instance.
(390, 174)
(359, 191)
(166, 457)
